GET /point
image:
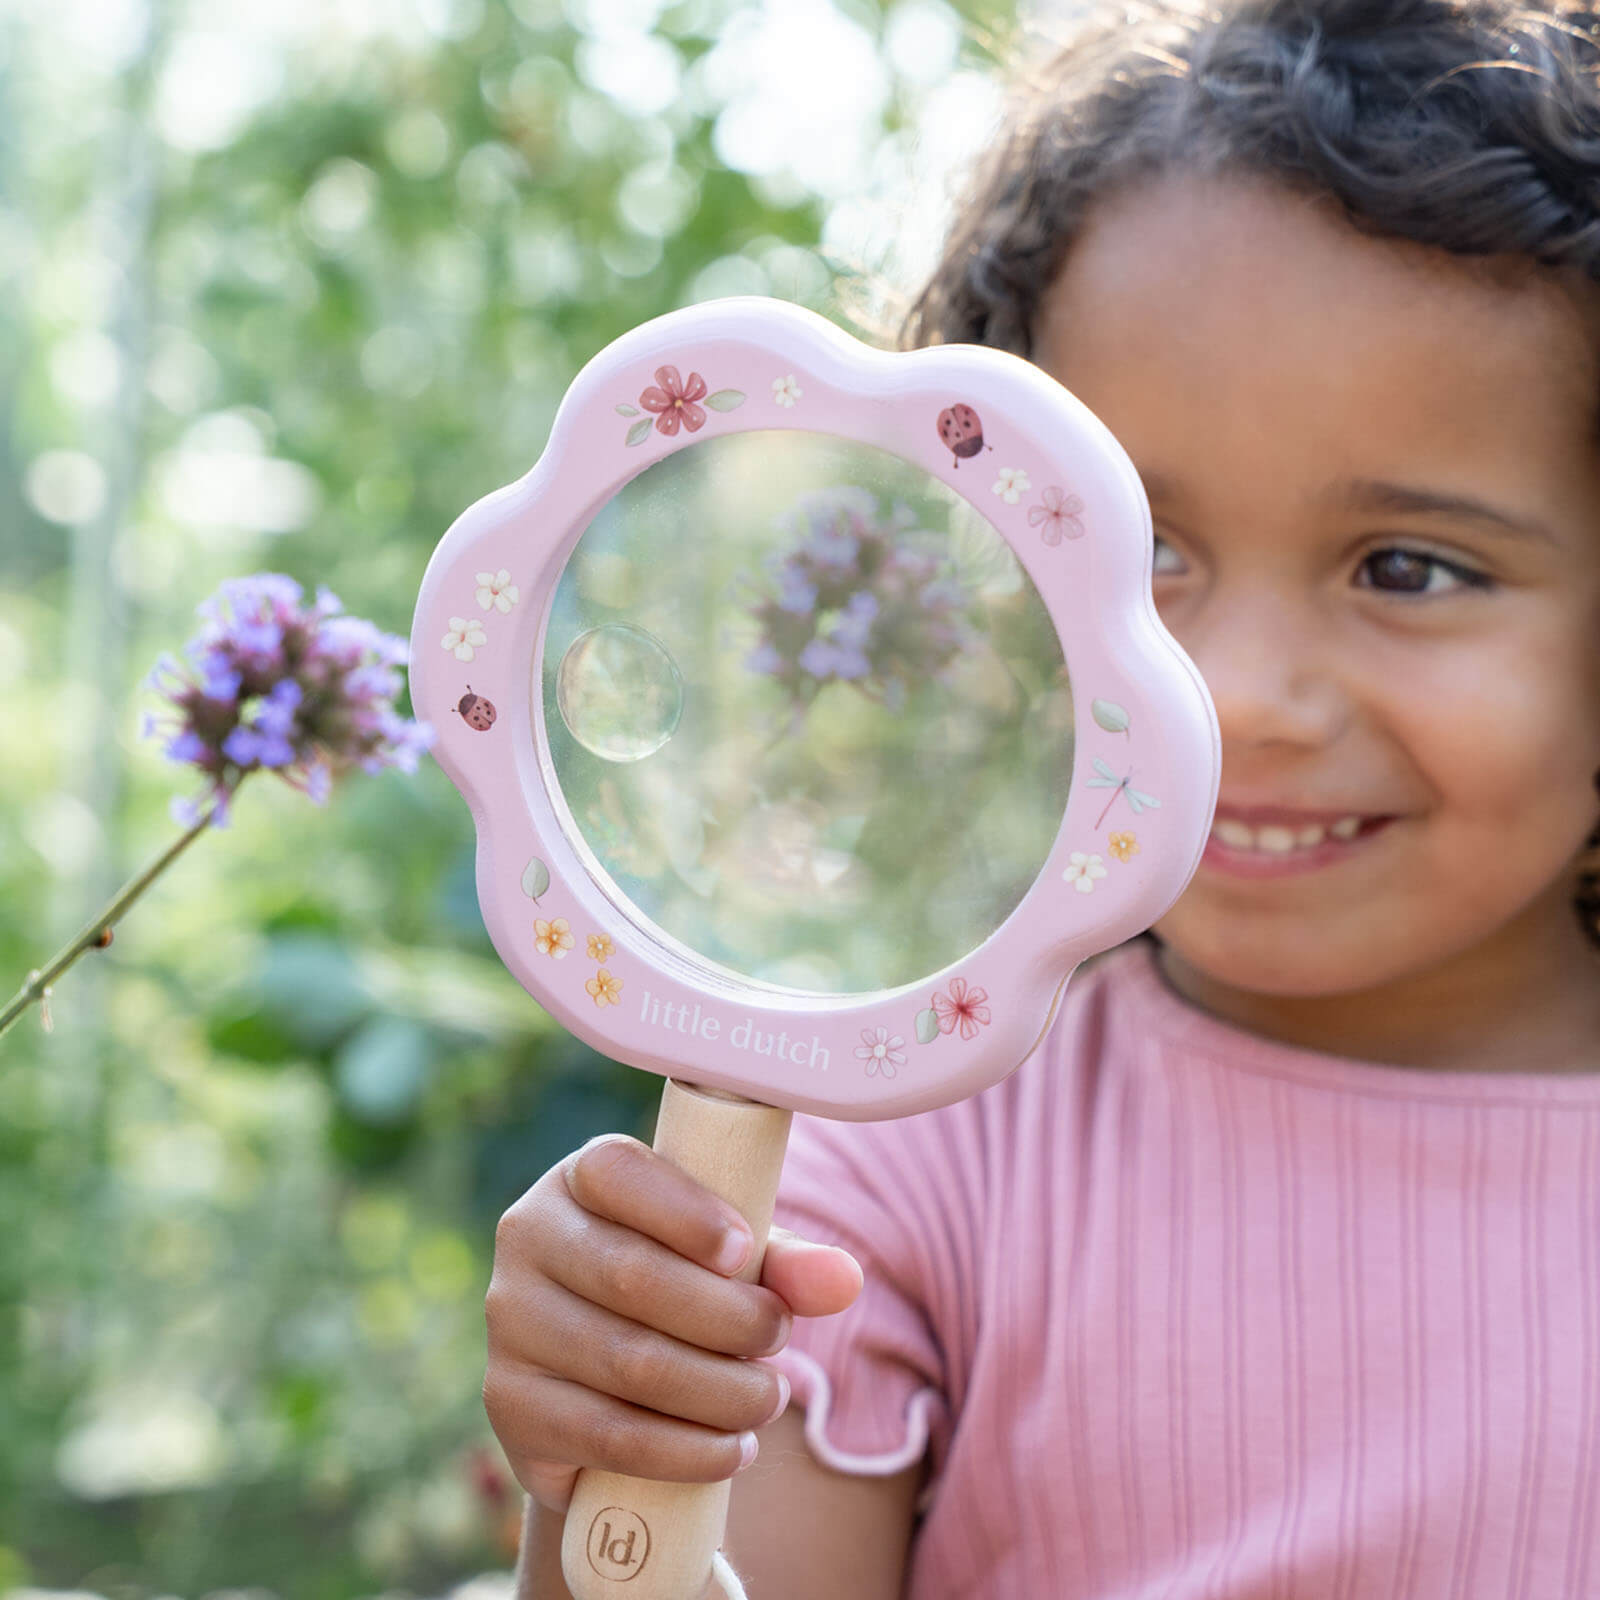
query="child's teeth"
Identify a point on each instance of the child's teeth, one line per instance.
(1277, 839)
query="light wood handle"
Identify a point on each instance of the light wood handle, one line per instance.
(628, 1538)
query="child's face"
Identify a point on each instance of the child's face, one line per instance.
(1376, 484)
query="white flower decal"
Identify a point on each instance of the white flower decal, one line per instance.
(496, 591)
(881, 1050)
(785, 390)
(464, 637)
(1082, 870)
(1011, 485)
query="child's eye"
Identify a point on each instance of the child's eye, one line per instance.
(1168, 563)
(1416, 572)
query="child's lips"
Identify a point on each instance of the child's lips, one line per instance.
(1268, 841)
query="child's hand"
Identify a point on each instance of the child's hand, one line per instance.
(619, 1333)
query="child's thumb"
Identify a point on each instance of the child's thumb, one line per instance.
(814, 1280)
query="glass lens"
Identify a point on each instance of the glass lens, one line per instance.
(807, 711)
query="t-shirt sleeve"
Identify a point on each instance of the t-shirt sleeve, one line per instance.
(874, 1380)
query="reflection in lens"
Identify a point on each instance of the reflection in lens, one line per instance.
(619, 692)
(872, 765)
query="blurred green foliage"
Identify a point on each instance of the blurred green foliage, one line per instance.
(286, 287)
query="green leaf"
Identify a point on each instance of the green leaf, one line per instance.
(1112, 717)
(640, 431)
(627, 411)
(927, 1026)
(725, 400)
(535, 879)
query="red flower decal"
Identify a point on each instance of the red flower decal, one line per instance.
(968, 1007)
(674, 401)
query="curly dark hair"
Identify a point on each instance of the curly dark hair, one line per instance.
(1469, 125)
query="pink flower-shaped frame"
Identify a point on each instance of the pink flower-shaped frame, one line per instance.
(1001, 434)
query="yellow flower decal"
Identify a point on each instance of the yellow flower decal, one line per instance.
(554, 938)
(604, 989)
(1123, 845)
(600, 946)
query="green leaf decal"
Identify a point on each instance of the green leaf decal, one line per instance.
(725, 400)
(627, 411)
(640, 431)
(1112, 717)
(927, 1026)
(535, 879)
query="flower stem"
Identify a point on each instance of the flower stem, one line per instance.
(94, 934)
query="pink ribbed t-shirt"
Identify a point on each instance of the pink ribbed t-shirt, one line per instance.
(1177, 1312)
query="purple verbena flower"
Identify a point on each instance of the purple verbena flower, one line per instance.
(857, 596)
(817, 658)
(272, 684)
(765, 660)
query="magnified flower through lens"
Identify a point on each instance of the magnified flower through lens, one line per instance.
(857, 598)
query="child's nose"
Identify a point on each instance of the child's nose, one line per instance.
(1272, 672)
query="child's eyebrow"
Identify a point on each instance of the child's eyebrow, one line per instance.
(1380, 495)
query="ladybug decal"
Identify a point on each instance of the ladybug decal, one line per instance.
(961, 432)
(476, 712)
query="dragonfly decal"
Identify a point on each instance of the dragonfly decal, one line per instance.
(1137, 799)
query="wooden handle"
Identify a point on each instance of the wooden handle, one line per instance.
(628, 1538)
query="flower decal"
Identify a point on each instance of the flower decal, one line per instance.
(881, 1050)
(1011, 485)
(605, 989)
(496, 591)
(554, 938)
(786, 391)
(1123, 845)
(678, 403)
(1056, 516)
(675, 402)
(465, 638)
(1082, 871)
(964, 1007)
(600, 946)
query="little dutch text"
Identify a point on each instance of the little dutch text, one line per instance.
(683, 1018)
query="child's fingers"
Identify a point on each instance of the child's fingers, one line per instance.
(615, 1267)
(564, 1334)
(549, 1482)
(813, 1280)
(619, 1178)
(545, 1422)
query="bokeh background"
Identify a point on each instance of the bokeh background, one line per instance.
(284, 285)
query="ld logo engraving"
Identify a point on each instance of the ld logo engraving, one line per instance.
(619, 1544)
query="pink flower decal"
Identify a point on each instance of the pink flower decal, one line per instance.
(1057, 516)
(881, 1050)
(674, 401)
(963, 1007)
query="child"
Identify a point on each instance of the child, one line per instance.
(1276, 1270)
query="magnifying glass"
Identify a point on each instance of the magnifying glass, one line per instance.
(816, 722)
